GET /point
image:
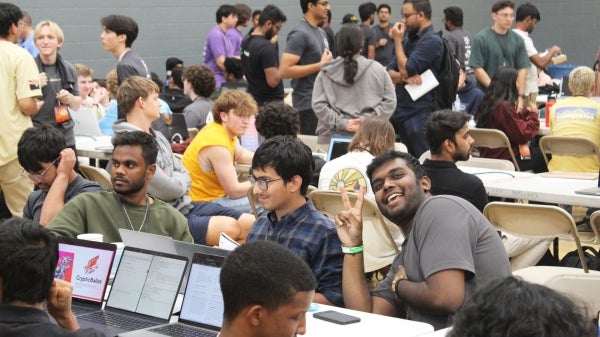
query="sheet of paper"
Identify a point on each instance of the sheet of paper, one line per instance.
(428, 82)
(226, 242)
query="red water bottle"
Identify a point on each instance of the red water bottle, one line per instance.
(549, 103)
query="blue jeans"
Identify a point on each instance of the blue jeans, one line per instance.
(412, 133)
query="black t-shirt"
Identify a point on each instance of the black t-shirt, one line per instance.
(257, 54)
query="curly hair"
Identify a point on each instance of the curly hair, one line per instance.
(202, 79)
(277, 118)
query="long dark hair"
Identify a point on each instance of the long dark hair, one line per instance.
(349, 42)
(503, 87)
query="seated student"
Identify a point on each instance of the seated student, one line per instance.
(281, 171)
(173, 93)
(469, 93)
(171, 181)
(577, 115)
(50, 165)
(211, 156)
(199, 84)
(233, 73)
(129, 206)
(28, 257)
(275, 293)
(450, 248)
(112, 111)
(374, 136)
(511, 307)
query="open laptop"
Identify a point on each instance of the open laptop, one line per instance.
(591, 190)
(202, 308)
(564, 87)
(166, 244)
(338, 146)
(86, 123)
(143, 292)
(86, 265)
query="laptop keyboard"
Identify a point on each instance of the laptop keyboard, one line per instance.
(181, 330)
(118, 320)
(80, 310)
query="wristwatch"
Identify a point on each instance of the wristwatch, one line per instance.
(395, 282)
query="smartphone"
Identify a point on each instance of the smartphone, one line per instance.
(336, 317)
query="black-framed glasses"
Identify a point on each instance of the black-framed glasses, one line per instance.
(263, 183)
(38, 176)
(406, 16)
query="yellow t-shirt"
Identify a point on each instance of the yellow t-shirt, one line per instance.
(205, 185)
(575, 116)
(19, 79)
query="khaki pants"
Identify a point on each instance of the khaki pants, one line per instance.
(16, 188)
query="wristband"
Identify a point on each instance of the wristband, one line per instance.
(395, 282)
(353, 250)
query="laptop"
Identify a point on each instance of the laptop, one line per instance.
(143, 292)
(202, 308)
(338, 146)
(86, 122)
(591, 190)
(86, 265)
(564, 87)
(166, 244)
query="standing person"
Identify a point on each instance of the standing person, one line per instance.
(235, 34)
(418, 50)
(260, 60)
(426, 282)
(218, 47)
(282, 169)
(274, 297)
(19, 88)
(458, 38)
(306, 51)
(527, 18)
(498, 46)
(118, 34)
(60, 79)
(350, 88)
(499, 110)
(26, 39)
(366, 11)
(384, 48)
(28, 258)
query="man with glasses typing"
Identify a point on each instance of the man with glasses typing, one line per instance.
(50, 164)
(282, 168)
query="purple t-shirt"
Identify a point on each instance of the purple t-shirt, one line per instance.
(236, 37)
(217, 44)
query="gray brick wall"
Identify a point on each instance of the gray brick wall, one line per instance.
(178, 28)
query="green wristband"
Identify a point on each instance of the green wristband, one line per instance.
(353, 250)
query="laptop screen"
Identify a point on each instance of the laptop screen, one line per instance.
(86, 265)
(203, 301)
(338, 146)
(147, 282)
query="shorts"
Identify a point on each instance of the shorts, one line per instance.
(199, 217)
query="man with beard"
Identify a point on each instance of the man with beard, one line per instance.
(129, 206)
(260, 61)
(450, 248)
(449, 142)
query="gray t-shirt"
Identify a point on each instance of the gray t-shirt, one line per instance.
(309, 43)
(448, 233)
(196, 113)
(460, 42)
(131, 64)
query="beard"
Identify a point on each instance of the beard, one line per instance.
(132, 188)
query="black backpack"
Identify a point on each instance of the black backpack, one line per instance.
(572, 259)
(445, 93)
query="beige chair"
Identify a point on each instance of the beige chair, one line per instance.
(534, 221)
(594, 236)
(330, 204)
(493, 139)
(310, 141)
(568, 146)
(400, 147)
(243, 170)
(192, 132)
(96, 174)
(490, 163)
(425, 155)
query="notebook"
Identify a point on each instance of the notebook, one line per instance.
(167, 245)
(338, 146)
(591, 190)
(143, 292)
(86, 265)
(202, 308)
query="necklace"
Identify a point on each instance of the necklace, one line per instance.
(126, 215)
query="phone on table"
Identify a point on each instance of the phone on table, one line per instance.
(336, 317)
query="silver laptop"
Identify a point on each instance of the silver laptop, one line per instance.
(85, 122)
(591, 190)
(143, 292)
(338, 146)
(202, 308)
(86, 265)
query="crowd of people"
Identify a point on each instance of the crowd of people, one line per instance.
(452, 263)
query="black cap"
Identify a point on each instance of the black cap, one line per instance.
(172, 62)
(350, 18)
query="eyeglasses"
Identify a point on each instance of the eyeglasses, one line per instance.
(406, 16)
(38, 176)
(324, 3)
(263, 183)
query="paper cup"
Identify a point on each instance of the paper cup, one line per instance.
(91, 237)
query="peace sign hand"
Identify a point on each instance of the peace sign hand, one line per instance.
(349, 221)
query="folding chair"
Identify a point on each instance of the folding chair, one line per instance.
(376, 233)
(535, 221)
(493, 138)
(490, 163)
(96, 174)
(568, 146)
